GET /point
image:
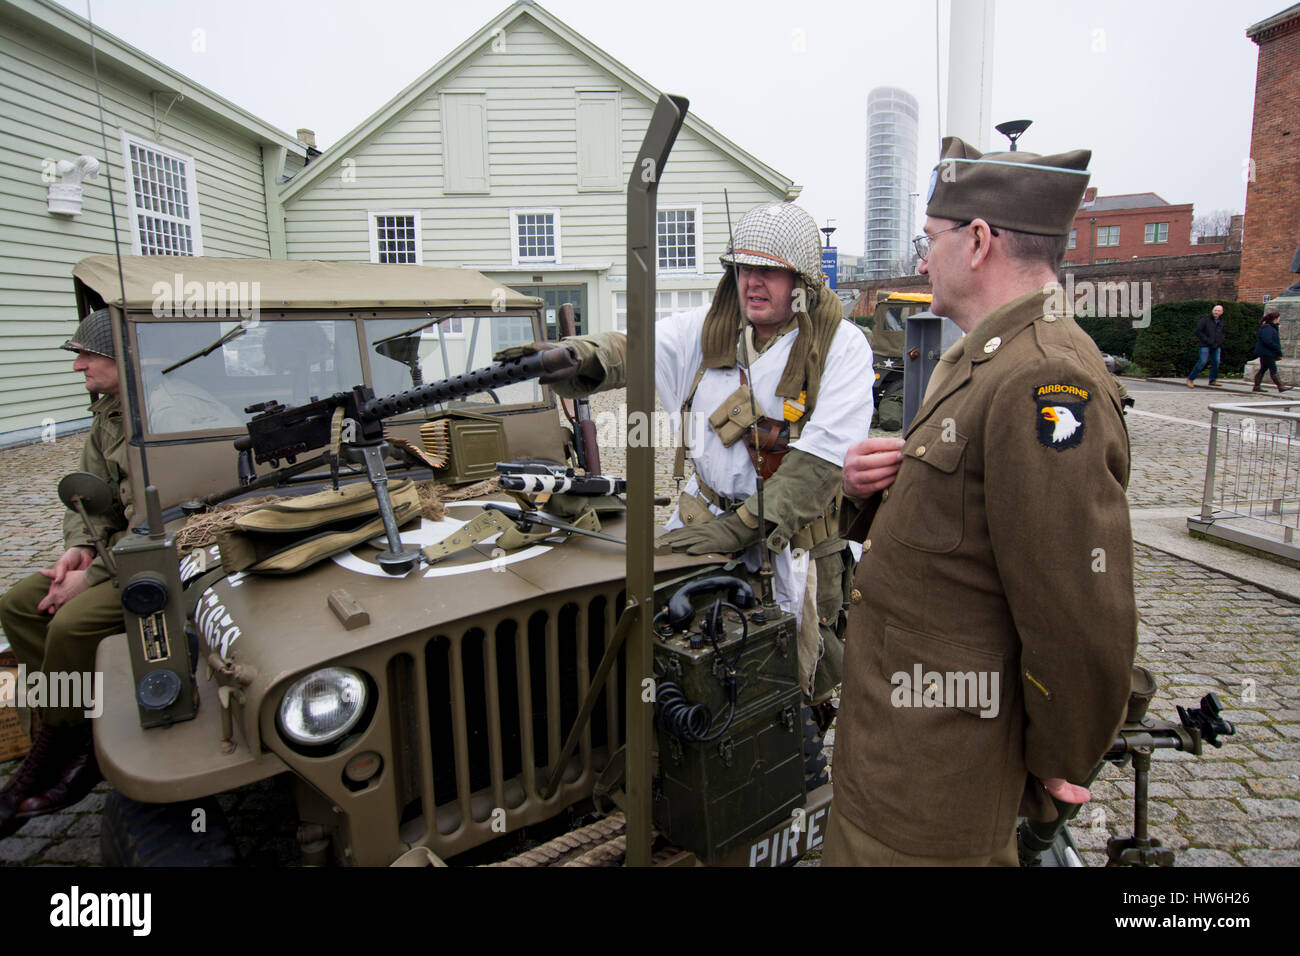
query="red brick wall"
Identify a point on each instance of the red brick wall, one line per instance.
(1175, 279)
(1132, 233)
(1273, 199)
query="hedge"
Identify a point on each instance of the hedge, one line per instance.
(1113, 336)
(1168, 345)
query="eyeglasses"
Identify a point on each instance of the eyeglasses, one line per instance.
(925, 244)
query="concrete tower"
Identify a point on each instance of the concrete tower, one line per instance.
(891, 180)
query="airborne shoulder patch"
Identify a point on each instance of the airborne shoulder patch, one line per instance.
(1061, 414)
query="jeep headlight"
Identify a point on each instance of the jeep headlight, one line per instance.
(323, 706)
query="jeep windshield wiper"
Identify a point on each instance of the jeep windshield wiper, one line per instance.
(401, 335)
(237, 331)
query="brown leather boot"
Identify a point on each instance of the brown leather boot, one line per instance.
(75, 777)
(1259, 377)
(1278, 382)
(34, 775)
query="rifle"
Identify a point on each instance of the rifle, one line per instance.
(356, 419)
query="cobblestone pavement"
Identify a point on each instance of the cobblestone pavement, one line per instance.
(1200, 631)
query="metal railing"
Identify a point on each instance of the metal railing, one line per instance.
(1252, 477)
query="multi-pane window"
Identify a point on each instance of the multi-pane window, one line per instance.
(1074, 233)
(666, 304)
(395, 236)
(679, 300)
(1157, 232)
(678, 232)
(396, 240)
(536, 236)
(1108, 235)
(163, 201)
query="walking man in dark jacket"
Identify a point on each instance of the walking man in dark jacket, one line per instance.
(1210, 335)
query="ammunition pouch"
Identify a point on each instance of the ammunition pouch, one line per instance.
(823, 528)
(731, 420)
(693, 509)
(294, 534)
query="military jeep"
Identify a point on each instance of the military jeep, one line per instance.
(421, 708)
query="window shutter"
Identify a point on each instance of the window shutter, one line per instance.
(464, 142)
(600, 149)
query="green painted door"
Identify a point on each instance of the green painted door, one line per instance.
(555, 296)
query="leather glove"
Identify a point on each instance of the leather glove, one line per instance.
(726, 534)
(532, 348)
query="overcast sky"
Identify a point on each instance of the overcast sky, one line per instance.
(1162, 91)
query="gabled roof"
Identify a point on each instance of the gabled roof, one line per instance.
(453, 60)
(1127, 201)
(51, 20)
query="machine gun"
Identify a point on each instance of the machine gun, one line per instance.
(1138, 736)
(356, 419)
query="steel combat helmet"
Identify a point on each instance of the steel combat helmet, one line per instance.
(94, 335)
(781, 235)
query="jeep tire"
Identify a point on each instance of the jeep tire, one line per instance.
(162, 834)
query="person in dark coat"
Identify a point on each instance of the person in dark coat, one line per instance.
(1268, 347)
(1210, 334)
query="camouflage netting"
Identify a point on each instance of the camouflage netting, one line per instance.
(202, 530)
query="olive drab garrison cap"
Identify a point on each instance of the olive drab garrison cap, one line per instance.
(94, 334)
(780, 235)
(1024, 192)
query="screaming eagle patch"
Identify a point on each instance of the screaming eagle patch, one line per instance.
(1060, 414)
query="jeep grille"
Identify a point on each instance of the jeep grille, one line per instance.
(493, 705)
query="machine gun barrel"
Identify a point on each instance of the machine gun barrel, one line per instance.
(553, 363)
(278, 432)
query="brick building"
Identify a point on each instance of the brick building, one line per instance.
(1131, 226)
(1273, 195)
(1175, 279)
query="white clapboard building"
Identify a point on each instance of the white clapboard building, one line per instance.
(192, 174)
(511, 156)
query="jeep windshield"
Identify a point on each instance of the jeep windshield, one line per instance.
(296, 360)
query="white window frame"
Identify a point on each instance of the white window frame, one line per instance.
(191, 190)
(515, 212)
(698, 209)
(373, 227)
(1073, 241)
(1109, 236)
(1157, 241)
(619, 312)
(619, 315)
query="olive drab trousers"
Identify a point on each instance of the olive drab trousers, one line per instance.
(61, 643)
